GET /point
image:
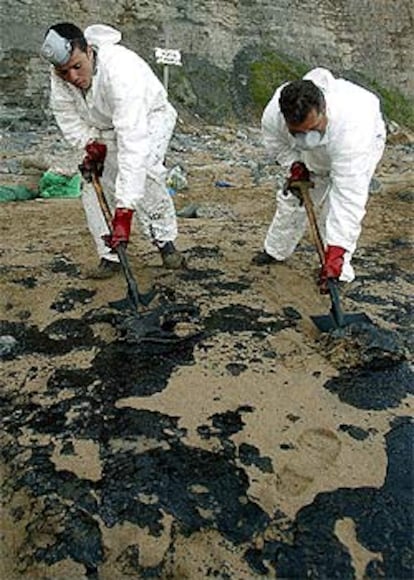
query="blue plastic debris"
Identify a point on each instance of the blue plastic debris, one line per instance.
(223, 184)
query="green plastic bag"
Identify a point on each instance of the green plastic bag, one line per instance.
(54, 185)
(16, 193)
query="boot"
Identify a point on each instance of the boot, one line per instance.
(264, 259)
(171, 258)
(105, 269)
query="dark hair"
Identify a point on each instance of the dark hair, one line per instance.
(72, 33)
(298, 98)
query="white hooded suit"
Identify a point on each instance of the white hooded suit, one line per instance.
(342, 167)
(126, 108)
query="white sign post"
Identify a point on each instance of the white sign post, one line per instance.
(167, 57)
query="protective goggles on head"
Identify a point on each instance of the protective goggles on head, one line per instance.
(56, 49)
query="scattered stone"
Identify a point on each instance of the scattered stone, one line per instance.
(207, 211)
(236, 369)
(69, 298)
(8, 345)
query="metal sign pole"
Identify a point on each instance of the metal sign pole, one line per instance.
(167, 57)
(166, 75)
(167, 45)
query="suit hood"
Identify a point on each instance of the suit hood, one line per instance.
(100, 34)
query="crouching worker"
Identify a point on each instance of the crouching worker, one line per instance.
(108, 102)
(331, 132)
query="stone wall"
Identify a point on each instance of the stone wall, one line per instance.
(373, 37)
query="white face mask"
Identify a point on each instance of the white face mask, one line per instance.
(308, 140)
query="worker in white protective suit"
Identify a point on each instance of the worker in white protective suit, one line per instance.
(329, 131)
(108, 102)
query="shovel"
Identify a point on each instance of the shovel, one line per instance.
(154, 330)
(336, 318)
(136, 297)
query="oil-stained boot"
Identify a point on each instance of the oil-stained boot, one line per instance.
(171, 258)
(264, 259)
(105, 269)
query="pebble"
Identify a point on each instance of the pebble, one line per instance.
(8, 345)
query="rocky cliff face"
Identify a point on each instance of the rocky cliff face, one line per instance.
(372, 37)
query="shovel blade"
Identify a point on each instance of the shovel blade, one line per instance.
(327, 322)
(143, 299)
(128, 303)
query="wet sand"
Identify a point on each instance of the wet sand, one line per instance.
(257, 447)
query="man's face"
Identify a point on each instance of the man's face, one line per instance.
(315, 121)
(78, 71)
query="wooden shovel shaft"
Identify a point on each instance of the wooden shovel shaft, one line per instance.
(307, 202)
(336, 309)
(102, 201)
(136, 297)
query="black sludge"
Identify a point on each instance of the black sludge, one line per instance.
(374, 372)
(383, 520)
(187, 483)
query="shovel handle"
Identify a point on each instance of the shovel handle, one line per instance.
(134, 294)
(120, 249)
(307, 202)
(102, 200)
(336, 309)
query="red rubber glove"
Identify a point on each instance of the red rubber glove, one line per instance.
(298, 172)
(332, 267)
(96, 151)
(121, 228)
(93, 160)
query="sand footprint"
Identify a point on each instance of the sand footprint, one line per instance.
(314, 451)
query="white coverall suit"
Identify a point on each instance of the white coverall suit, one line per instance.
(126, 108)
(341, 166)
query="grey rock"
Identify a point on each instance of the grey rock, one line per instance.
(8, 345)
